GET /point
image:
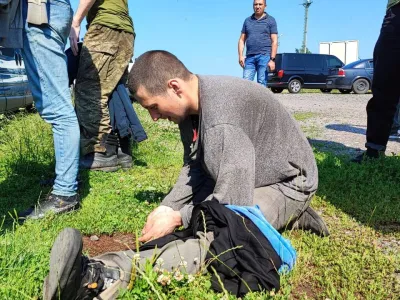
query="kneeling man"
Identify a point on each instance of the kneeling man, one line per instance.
(242, 146)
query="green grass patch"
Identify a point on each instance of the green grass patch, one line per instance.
(360, 203)
(303, 116)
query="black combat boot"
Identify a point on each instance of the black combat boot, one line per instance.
(370, 154)
(72, 275)
(102, 161)
(124, 152)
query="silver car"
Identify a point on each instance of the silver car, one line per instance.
(14, 87)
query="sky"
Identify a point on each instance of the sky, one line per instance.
(204, 34)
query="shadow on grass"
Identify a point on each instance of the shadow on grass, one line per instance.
(26, 183)
(335, 148)
(151, 196)
(368, 192)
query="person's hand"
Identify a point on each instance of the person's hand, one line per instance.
(153, 215)
(241, 61)
(160, 224)
(74, 37)
(271, 65)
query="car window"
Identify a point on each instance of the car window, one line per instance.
(313, 61)
(370, 64)
(362, 65)
(278, 61)
(333, 62)
(294, 61)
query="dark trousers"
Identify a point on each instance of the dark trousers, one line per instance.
(386, 92)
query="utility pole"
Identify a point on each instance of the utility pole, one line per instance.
(306, 4)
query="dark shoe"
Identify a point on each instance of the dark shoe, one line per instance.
(368, 155)
(124, 153)
(55, 203)
(64, 278)
(103, 161)
(99, 161)
(72, 275)
(310, 220)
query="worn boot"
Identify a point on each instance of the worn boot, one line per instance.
(54, 203)
(370, 154)
(74, 276)
(124, 152)
(102, 161)
(310, 220)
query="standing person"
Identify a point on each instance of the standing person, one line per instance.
(260, 34)
(381, 108)
(43, 39)
(106, 52)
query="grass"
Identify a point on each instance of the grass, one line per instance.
(360, 203)
(303, 116)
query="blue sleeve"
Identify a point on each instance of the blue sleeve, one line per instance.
(244, 27)
(273, 27)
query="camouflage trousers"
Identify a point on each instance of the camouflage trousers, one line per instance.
(103, 63)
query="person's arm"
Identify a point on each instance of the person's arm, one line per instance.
(81, 12)
(242, 40)
(274, 44)
(241, 43)
(176, 208)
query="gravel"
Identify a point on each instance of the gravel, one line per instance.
(338, 122)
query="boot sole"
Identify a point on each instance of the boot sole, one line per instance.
(125, 164)
(105, 169)
(65, 258)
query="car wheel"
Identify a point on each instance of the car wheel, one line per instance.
(276, 90)
(344, 91)
(294, 86)
(326, 90)
(361, 86)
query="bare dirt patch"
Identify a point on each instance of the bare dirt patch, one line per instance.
(108, 243)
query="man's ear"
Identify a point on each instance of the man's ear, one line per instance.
(175, 85)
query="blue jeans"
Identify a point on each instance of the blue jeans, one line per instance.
(256, 63)
(46, 67)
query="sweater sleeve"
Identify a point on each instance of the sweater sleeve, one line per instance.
(193, 186)
(229, 157)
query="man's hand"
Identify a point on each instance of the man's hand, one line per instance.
(162, 221)
(271, 65)
(241, 61)
(74, 37)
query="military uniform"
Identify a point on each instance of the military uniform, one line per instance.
(106, 52)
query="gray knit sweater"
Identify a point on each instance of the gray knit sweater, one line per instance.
(247, 139)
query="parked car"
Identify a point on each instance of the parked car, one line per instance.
(14, 88)
(356, 77)
(294, 71)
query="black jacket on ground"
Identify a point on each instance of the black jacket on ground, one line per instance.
(252, 266)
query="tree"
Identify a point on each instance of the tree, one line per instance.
(300, 50)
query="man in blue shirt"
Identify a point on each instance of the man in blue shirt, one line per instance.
(260, 34)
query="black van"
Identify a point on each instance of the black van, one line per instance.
(295, 71)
